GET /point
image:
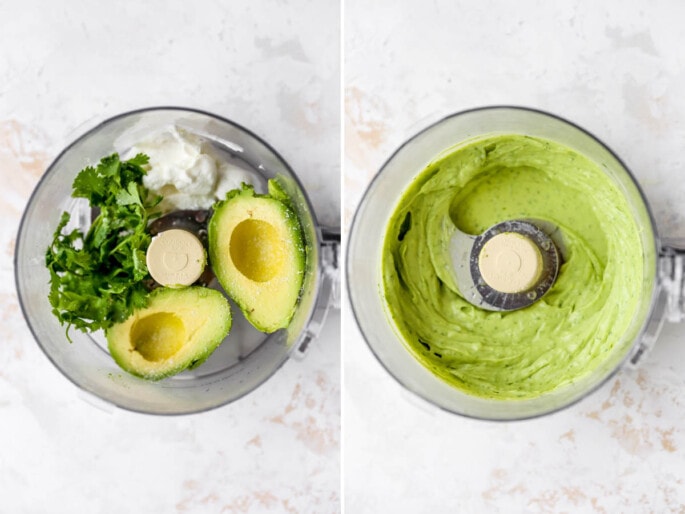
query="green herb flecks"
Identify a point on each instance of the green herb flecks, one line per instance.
(96, 278)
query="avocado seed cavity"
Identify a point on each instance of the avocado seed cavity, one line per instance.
(158, 336)
(256, 250)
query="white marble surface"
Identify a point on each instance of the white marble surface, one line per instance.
(64, 66)
(615, 68)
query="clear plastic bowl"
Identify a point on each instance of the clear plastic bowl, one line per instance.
(245, 360)
(364, 279)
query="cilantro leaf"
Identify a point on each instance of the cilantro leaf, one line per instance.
(129, 196)
(139, 160)
(88, 184)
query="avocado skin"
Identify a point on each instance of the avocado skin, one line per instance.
(207, 331)
(245, 293)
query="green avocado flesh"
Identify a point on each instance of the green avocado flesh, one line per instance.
(179, 329)
(257, 254)
(574, 327)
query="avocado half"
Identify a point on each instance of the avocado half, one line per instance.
(178, 329)
(257, 253)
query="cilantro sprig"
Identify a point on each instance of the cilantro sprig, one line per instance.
(96, 278)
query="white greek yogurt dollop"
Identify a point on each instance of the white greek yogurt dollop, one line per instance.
(188, 172)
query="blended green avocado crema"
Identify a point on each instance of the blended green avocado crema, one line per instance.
(567, 333)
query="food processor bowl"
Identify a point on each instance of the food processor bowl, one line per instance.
(365, 246)
(247, 357)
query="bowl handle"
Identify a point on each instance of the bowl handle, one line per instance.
(329, 294)
(669, 304)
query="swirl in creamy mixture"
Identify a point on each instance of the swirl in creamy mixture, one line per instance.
(574, 327)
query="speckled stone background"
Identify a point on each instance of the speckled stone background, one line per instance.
(65, 66)
(615, 68)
